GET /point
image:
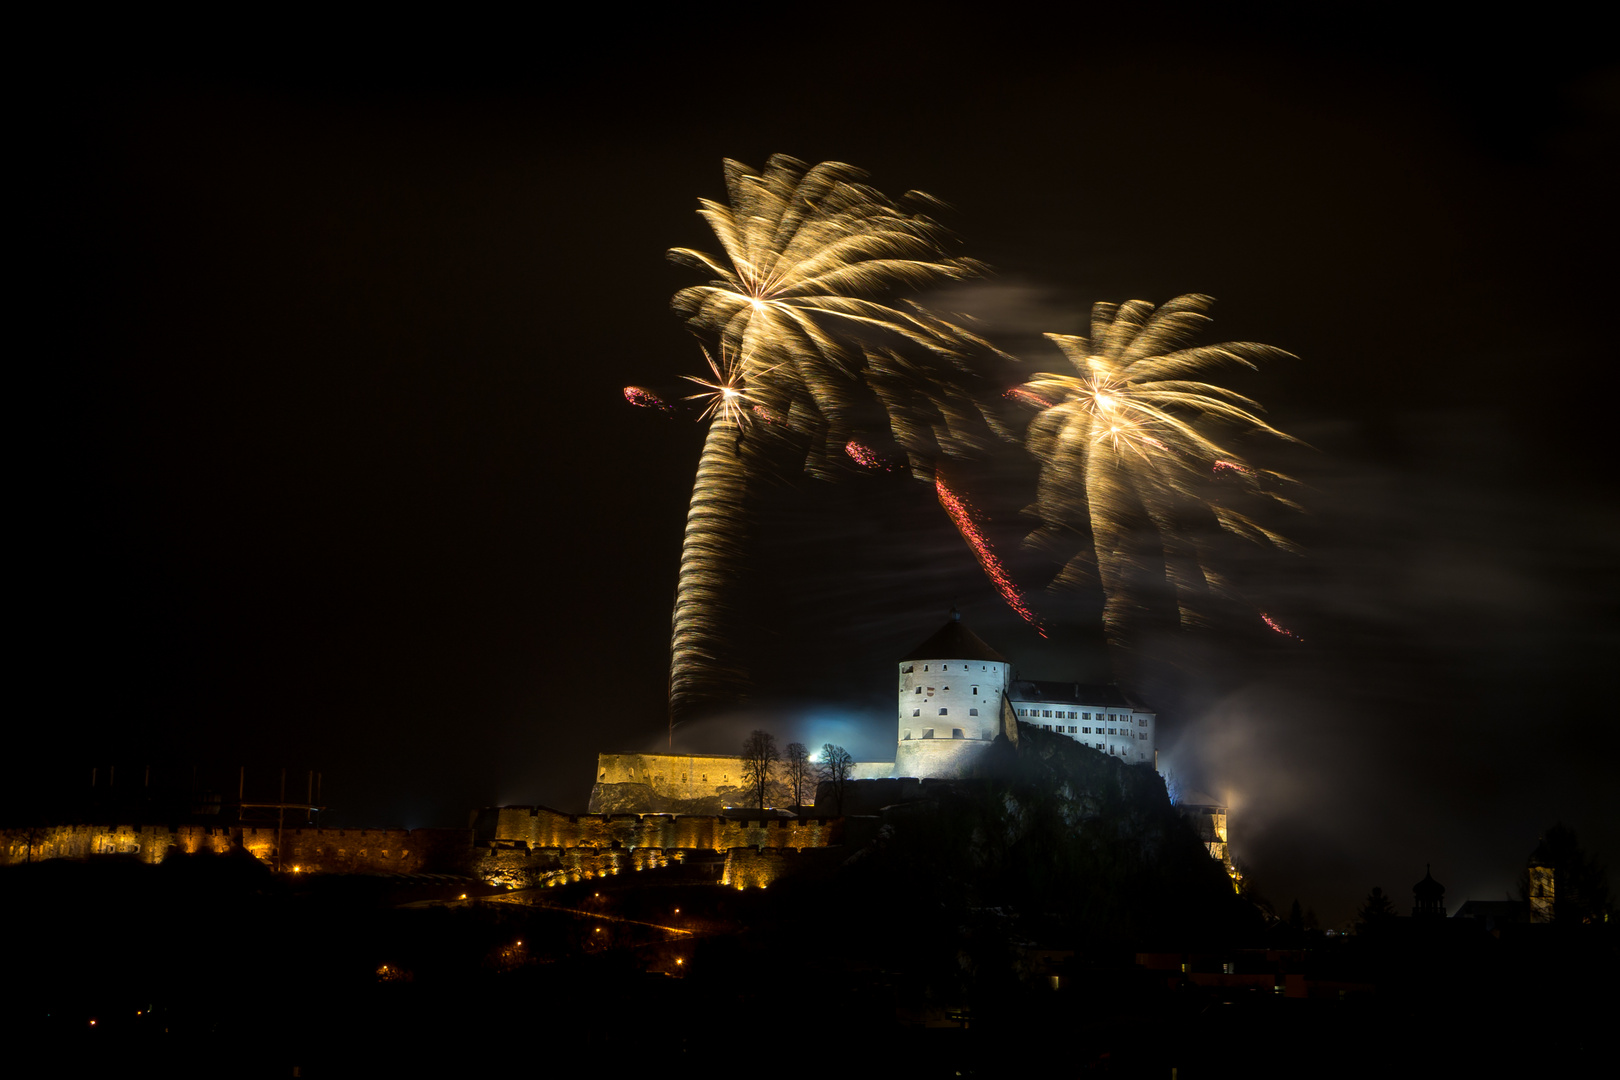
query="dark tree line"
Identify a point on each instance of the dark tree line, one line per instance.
(761, 760)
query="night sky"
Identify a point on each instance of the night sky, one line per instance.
(328, 465)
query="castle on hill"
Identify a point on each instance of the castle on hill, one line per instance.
(955, 695)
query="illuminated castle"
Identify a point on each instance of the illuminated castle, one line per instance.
(955, 694)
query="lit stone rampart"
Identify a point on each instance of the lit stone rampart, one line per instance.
(680, 776)
(750, 868)
(531, 868)
(148, 843)
(353, 851)
(541, 827)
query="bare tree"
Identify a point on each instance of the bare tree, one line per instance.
(836, 765)
(758, 756)
(799, 770)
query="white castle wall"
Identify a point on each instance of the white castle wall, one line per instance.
(949, 712)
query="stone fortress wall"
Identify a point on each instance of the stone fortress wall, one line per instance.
(531, 846)
(353, 851)
(702, 784)
(515, 847)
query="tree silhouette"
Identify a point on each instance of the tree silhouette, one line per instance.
(836, 765)
(799, 770)
(759, 755)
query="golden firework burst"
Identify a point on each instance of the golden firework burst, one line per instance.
(1124, 452)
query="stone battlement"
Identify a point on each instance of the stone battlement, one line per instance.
(304, 849)
(542, 827)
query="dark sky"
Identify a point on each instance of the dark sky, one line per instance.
(329, 465)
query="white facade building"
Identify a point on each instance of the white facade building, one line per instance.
(1094, 715)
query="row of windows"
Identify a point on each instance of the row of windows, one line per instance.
(928, 733)
(909, 668)
(944, 712)
(1062, 715)
(1087, 731)
(931, 689)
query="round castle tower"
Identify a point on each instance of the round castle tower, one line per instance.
(952, 687)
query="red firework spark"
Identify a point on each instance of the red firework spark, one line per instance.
(640, 395)
(1279, 628)
(1233, 466)
(962, 516)
(863, 455)
(866, 456)
(1018, 393)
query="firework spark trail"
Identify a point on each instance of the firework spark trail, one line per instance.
(1018, 393)
(807, 346)
(1120, 455)
(647, 399)
(703, 662)
(962, 517)
(1279, 628)
(865, 455)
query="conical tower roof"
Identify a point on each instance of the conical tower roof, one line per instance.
(954, 641)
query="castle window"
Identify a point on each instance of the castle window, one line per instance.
(908, 669)
(973, 712)
(1085, 716)
(944, 712)
(919, 689)
(925, 667)
(956, 733)
(975, 689)
(946, 688)
(908, 733)
(928, 733)
(915, 712)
